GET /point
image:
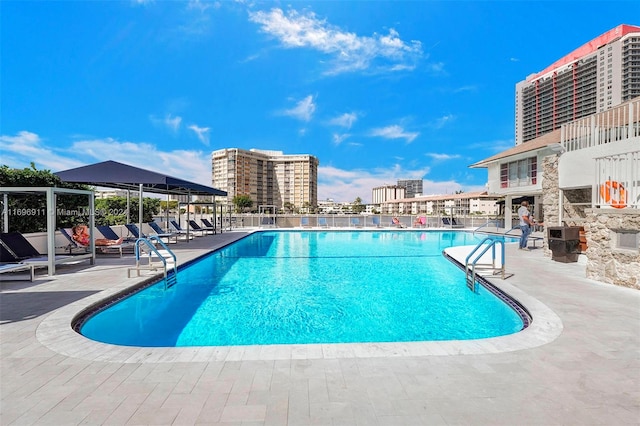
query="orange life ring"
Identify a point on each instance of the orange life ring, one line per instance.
(606, 190)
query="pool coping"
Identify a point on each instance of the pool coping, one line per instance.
(56, 333)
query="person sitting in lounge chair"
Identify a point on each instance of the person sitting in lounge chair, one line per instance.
(80, 234)
(396, 222)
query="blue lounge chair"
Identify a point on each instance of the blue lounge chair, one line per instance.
(322, 222)
(355, 222)
(376, 221)
(17, 249)
(161, 233)
(207, 224)
(179, 230)
(73, 244)
(304, 222)
(133, 229)
(197, 228)
(451, 223)
(109, 233)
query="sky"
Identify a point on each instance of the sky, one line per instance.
(376, 90)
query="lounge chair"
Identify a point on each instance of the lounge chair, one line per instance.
(17, 267)
(195, 227)
(355, 222)
(376, 221)
(207, 224)
(73, 244)
(181, 231)
(17, 249)
(304, 222)
(395, 223)
(133, 230)
(267, 221)
(420, 222)
(109, 233)
(322, 222)
(451, 223)
(161, 233)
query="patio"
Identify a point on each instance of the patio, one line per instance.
(578, 364)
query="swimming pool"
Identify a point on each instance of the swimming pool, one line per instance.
(288, 287)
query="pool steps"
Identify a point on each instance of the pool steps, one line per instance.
(147, 248)
(471, 264)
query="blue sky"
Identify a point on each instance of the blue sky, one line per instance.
(376, 90)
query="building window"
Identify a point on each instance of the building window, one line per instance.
(519, 173)
(626, 240)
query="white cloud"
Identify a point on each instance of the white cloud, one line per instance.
(348, 51)
(172, 123)
(395, 132)
(20, 150)
(303, 110)
(339, 138)
(443, 121)
(442, 157)
(194, 165)
(469, 88)
(345, 120)
(202, 133)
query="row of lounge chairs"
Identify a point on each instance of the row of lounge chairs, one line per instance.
(18, 254)
(355, 222)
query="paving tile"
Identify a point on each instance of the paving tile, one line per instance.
(582, 371)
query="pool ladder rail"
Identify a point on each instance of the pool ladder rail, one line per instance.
(472, 266)
(146, 249)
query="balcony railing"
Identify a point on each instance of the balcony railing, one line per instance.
(617, 124)
(617, 181)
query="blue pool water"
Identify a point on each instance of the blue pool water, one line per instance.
(312, 287)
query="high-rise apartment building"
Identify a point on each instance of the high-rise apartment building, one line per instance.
(412, 187)
(595, 77)
(268, 177)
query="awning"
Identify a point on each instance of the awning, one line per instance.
(117, 175)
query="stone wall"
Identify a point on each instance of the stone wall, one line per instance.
(605, 262)
(550, 191)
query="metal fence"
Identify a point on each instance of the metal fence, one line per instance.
(231, 221)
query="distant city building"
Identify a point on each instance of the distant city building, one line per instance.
(329, 206)
(268, 177)
(597, 76)
(450, 204)
(412, 187)
(110, 193)
(385, 193)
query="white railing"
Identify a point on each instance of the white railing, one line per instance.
(617, 181)
(617, 124)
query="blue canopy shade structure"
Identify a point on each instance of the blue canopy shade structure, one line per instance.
(118, 175)
(112, 174)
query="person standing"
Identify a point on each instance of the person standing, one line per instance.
(525, 224)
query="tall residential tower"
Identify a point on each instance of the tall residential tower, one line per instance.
(268, 177)
(597, 76)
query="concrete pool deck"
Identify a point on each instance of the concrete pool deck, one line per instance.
(578, 362)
